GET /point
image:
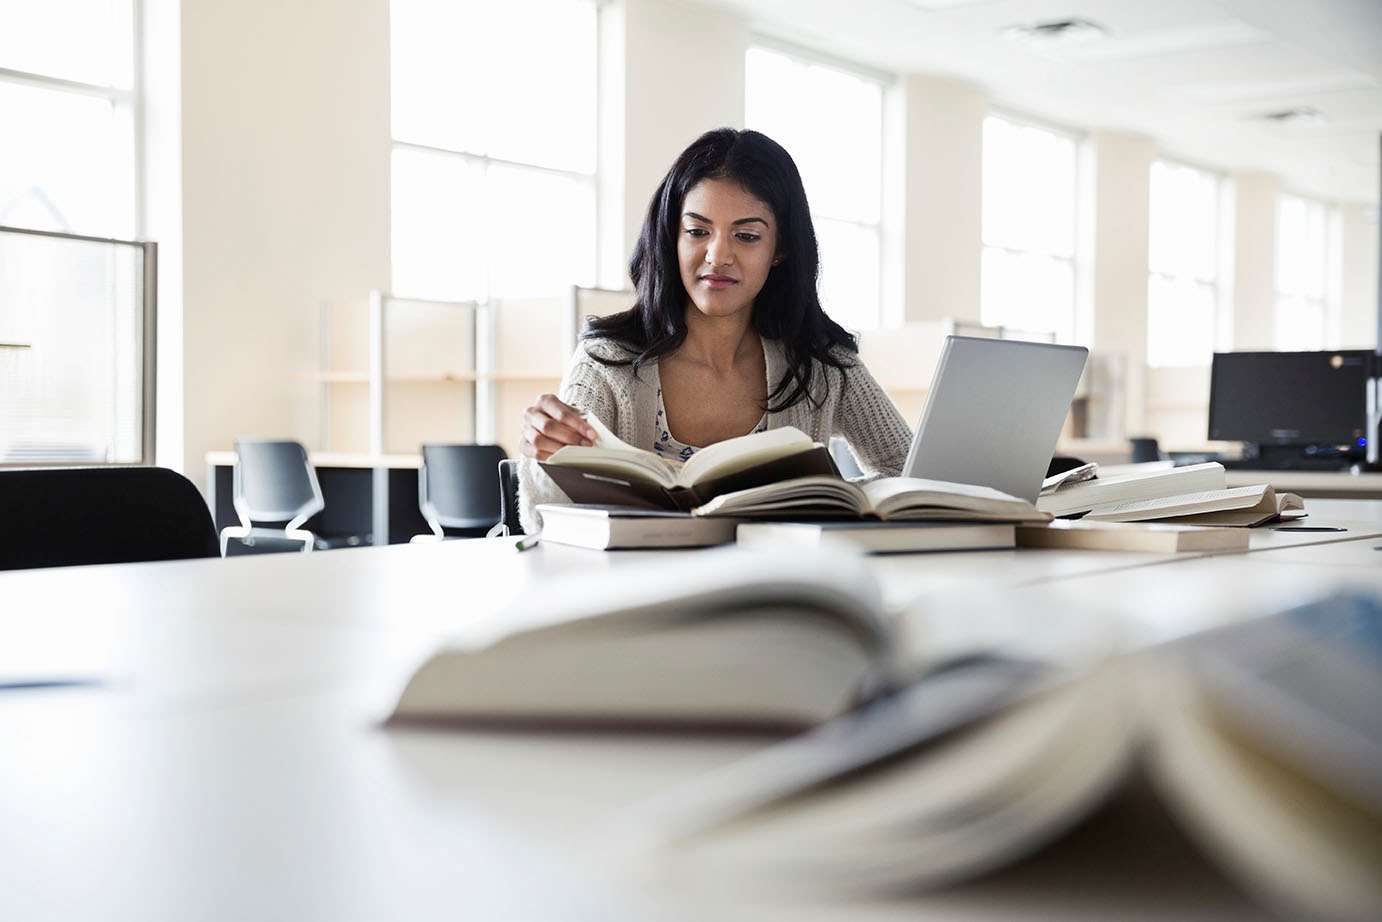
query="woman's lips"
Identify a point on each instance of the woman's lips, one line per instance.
(718, 281)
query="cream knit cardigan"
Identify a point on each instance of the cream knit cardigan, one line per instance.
(627, 404)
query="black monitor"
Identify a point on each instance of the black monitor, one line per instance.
(1314, 403)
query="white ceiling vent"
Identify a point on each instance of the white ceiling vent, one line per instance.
(1297, 116)
(1061, 33)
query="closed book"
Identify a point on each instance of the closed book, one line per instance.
(1076, 498)
(615, 527)
(1148, 537)
(880, 537)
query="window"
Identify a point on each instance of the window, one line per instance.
(494, 147)
(1028, 267)
(1301, 272)
(1183, 259)
(67, 95)
(76, 352)
(831, 121)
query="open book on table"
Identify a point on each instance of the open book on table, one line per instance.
(1261, 739)
(897, 499)
(612, 472)
(1242, 507)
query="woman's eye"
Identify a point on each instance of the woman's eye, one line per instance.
(697, 232)
(748, 238)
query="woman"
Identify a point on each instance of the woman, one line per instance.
(727, 335)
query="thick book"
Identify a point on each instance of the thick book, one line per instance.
(623, 527)
(1241, 507)
(879, 537)
(612, 472)
(720, 639)
(1261, 740)
(887, 499)
(1084, 496)
(1148, 537)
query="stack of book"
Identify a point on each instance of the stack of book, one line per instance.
(770, 487)
(1194, 495)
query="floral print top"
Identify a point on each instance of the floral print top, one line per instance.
(666, 446)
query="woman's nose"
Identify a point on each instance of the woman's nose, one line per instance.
(719, 252)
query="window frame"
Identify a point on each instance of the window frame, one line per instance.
(1327, 300)
(484, 161)
(1222, 330)
(886, 81)
(1075, 261)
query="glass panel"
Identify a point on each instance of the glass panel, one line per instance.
(1300, 247)
(438, 230)
(1299, 323)
(66, 163)
(71, 376)
(1184, 222)
(541, 232)
(849, 273)
(1028, 291)
(1028, 189)
(1180, 322)
(830, 121)
(89, 41)
(514, 80)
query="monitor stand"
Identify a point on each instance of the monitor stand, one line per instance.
(1261, 457)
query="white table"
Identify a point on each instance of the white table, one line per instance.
(234, 768)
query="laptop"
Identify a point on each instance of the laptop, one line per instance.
(994, 413)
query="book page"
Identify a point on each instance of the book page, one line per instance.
(746, 451)
(612, 455)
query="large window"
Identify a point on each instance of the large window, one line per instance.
(1183, 258)
(1029, 196)
(831, 121)
(1301, 273)
(75, 341)
(494, 147)
(67, 161)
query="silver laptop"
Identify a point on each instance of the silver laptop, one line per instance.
(994, 413)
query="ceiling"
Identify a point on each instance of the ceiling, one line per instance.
(1197, 76)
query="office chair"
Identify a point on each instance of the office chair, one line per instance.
(508, 501)
(455, 490)
(273, 483)
(71, 516)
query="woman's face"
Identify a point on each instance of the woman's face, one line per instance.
(726, 246)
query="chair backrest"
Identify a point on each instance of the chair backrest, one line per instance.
(508, 496)
(70, 516)
(455, 486)
(274, 482)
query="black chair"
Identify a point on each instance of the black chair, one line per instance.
(70, 516)
(508, 500)
(455, 490)
(1143, 449)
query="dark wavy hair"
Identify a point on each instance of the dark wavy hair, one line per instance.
(787, 308)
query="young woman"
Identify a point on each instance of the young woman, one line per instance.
(727, 335)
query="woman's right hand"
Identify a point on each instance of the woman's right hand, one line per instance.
(549, 424)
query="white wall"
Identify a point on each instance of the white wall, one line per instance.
(285, 163)
(1254, 260)
(1358, 273)
(944, 136)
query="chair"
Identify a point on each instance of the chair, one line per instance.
(508, 501)
(455, 490)
(72, 516)
(1143, 449)
(273, 483)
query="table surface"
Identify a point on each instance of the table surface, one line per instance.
(232, 765)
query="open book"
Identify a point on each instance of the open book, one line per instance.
(613, 472)
(720, 639)
(1073, 498)
(890, 499)
(1262, 739)
(1242, 507)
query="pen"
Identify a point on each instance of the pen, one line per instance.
(526, 542)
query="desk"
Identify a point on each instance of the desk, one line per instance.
(365, 494)
(234, 769)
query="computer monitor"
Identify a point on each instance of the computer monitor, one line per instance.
(1296, 399)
